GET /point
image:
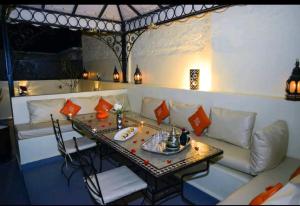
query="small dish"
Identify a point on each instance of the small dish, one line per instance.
(125, 133)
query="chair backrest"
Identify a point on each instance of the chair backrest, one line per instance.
(89, 173)
(58, 136)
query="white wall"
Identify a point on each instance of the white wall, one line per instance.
(246, 49)
(98, 57)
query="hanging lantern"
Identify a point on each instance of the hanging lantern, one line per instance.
(85, 74)
(137, 76)
(116, 75)
(194, 79)
(293, 84)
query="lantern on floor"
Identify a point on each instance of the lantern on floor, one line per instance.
(85, 74)
(137, 76)
(194, 78)
(293, 84)
(116, 75)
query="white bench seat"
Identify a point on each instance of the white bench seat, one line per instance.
(233, 157)
(246, 193)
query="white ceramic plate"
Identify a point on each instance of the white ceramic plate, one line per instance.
(125, 133)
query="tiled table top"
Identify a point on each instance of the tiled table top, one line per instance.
(157, 164)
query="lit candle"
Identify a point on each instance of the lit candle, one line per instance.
(70, 115)
(142, 123)
(94, 130)
(292, 86)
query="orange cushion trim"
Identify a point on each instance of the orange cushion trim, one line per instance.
(262, 197)
(103, 105)
(161, 112)
(70, 108)
(199, 121)
(295, 173)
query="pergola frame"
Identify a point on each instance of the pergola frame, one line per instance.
(120, 36)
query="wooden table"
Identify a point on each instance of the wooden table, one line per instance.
(156, 167)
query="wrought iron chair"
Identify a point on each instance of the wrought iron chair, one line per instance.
(67, 148)
(111, 185)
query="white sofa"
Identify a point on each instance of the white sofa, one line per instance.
(228, 179)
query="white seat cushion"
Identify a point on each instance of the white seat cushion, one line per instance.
(246, 193)
(234, 157)
(82, 142)
(117, 183)
(87, 104)
(26, 131)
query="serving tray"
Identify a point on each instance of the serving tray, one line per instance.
(157, 144)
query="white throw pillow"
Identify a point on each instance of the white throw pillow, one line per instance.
(231, 126)
(87, 104)
(149, 104)
(40, 110)
(269, 146)
(180, 112)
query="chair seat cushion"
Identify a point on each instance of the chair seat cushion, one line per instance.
(26, 131)
(82, 142)
(234, 156)
(117, 183)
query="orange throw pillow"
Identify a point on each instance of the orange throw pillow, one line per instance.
(262, 197)
(295, 173)
(103, 105)
(161, 112)
(199, 121)
(70, 108)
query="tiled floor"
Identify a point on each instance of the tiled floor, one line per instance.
(44, 184)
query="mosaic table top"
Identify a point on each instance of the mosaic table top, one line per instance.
(157, 164)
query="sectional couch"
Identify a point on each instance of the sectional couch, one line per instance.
(234, 178)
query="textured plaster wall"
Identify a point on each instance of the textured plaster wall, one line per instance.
(98, 57)
(246, 49)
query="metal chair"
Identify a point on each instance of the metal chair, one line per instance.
(111, 185)
(67, 148)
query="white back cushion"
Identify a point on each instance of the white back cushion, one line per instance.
(87, 104)
(149, 104)
(231, 126)
(40, 110)
(121, 98)
(269, 146)
(180, 112)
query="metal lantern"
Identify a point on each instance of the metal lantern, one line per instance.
(85, 74)
(194, 78)
(137, 76)
(293, 84)
(116, 75)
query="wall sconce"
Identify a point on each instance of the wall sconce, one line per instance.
(23, 88)
(293, 84)
(137, 76)
(116, 75)
(194, 79)
(85, 74)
